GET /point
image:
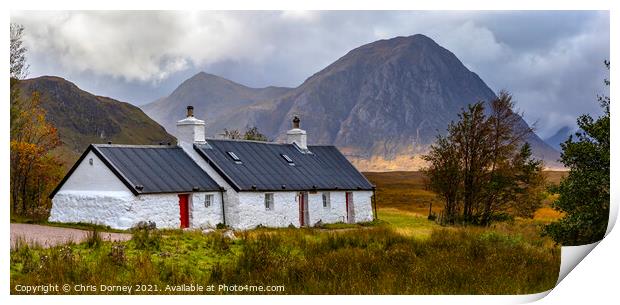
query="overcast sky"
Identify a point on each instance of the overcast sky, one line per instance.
(551, 61)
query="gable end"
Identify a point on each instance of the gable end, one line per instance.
(105, 161)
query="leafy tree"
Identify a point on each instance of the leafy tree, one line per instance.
(528, 184)
(484, 168)
(506, 133)
(584, 193)
(470, 136)
(34, 171)
(444, 176)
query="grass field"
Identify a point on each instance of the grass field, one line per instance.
(401, 253)
(406, 191)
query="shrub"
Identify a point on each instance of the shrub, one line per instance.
(117, 253)
(146, 236)
(93, 238)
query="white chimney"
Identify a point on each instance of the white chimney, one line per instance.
(297, 135)
(191, 129)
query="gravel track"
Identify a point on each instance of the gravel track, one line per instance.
(47, 236)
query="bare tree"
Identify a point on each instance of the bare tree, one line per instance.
(18, 66)
(232, 134)
(251, 133)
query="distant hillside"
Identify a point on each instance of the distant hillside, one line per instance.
(212, 96)
(82, 118)
(559, 137)
(381, 104)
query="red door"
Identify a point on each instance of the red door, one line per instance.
(184, 208)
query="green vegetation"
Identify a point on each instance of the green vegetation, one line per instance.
(483, 168)
(400, 253)
(584, 193)
(361, 260)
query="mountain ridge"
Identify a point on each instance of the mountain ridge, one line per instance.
(559, 137)
(381, 104)
(221, 94)
(82, 118)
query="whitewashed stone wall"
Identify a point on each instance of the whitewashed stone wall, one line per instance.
(336, 212)
(109, 208)
(202, 216)
(250, 211)
(362, 204)
(122, 210)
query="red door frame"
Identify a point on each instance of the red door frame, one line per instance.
(347, 200)
(184, 210)
(301, 210)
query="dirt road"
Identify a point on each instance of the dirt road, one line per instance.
(47, 236)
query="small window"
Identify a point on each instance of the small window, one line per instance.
(288, 159)
(269, 201)
(208, 200)
(234, 156)
(90, 161)
(326, 200)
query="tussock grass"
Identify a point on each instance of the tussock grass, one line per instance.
(363, 260)
(401, 253)
(405, 191)
(93, 238)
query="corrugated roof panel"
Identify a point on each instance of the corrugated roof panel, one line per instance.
(264, 167)
(158, 169)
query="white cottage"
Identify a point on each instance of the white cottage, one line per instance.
(204, 182)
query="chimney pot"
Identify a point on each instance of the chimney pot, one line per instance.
(190, 111)
(297, 135)
(190, 129)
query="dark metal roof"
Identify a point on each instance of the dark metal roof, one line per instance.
(261, 166)
(148, 169)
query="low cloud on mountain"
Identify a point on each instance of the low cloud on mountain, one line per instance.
(550, 61)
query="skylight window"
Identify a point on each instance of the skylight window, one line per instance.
(234, 156)
(288, 159)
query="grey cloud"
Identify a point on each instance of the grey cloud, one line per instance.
(550, 60)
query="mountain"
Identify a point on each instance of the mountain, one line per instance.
(559, 137)
(212, 96)
(382, 104)
(83, 118)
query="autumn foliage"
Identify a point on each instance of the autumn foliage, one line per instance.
(34, 170)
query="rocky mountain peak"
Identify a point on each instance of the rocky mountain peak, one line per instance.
(382, 103)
